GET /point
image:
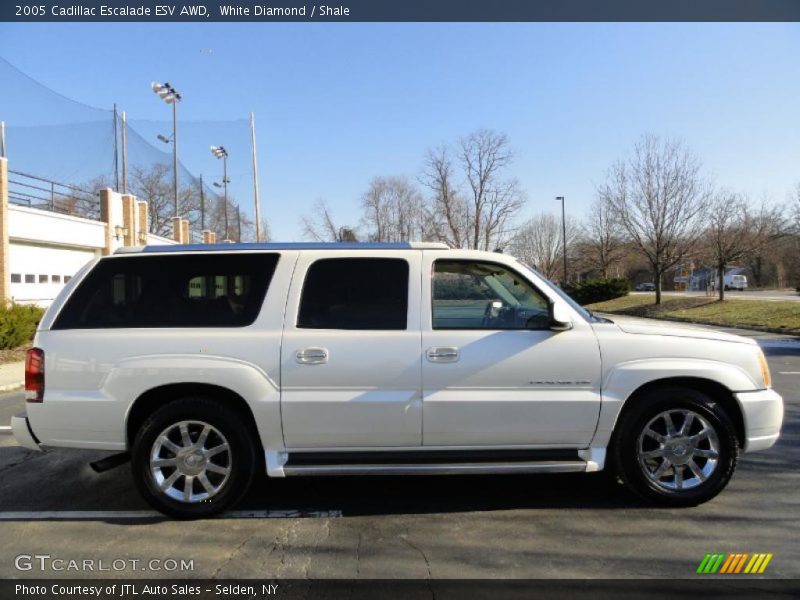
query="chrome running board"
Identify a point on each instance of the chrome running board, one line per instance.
(477, 468)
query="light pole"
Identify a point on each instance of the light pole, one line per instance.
(563, 237)
(220, 152)
(171, 96)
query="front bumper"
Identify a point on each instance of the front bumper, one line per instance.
(23, 433)
(763, 417)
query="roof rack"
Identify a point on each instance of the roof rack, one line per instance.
(242, 247)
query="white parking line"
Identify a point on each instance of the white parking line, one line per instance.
(788, 372)
(122, 515)
(5, 428)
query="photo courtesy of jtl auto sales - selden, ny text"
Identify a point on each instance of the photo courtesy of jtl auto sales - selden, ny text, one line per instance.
(399, 300)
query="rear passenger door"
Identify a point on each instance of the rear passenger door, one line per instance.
(350, 358)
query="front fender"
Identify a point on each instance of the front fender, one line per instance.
(625, 378)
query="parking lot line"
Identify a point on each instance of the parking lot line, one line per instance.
(122, 515)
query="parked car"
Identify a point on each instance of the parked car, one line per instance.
(646, 287)
(209, 365)
(735, 282)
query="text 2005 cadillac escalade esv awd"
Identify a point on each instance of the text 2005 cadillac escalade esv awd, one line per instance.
(210, 364)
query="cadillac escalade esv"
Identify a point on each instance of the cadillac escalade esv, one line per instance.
(212, 364)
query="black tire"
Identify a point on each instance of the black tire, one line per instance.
(639, 472)
(226, 425)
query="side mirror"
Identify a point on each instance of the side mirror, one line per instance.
(559, 318)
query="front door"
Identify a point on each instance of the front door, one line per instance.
(350, 358)
(493, 372)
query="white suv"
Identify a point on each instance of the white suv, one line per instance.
(211, 364)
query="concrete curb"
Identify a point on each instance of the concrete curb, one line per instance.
(12, 376)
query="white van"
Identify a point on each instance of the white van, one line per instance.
(210, 365)
(735, 282)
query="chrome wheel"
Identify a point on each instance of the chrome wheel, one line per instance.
(190, 461)
(678, 450)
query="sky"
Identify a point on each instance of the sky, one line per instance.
(339, 104)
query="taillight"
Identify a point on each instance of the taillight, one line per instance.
(34, 375)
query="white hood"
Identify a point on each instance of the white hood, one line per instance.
(649, 327)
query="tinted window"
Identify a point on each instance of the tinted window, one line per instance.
(482, 295)
(222, 290)
(16, 278)
(30, 278)
(355, 293)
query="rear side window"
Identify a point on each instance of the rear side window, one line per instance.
(223, 290)
(355, 293)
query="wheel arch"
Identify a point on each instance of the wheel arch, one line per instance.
(149, 401)
(714, 389)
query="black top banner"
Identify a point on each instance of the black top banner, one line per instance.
(343, 11)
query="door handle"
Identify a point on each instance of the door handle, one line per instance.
(312, 356)
(442, 354)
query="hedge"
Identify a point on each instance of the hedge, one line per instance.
(597, 290)
(18, 324)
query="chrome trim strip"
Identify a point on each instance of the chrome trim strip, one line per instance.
(437, 469)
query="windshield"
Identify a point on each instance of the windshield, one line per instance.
(562, 294)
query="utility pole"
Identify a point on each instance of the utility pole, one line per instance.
(238, 224)
(255, 177)
(116, 151)
(124, 153)
(202, 205)
(563, 237)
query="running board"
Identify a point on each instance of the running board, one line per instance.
(475, 468)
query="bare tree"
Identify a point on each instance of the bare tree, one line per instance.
(795, 208)
(154, 184)
(661, 200)
(393, 211)
(484, 155)
(448, 213)
(734, 231)
(322, 228)
(539, 243)
(603, 238)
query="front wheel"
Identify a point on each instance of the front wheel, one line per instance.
(193, 458)
(677, 447)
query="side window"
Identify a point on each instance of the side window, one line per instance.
(483, 295)
(200, 290)
(355, 293)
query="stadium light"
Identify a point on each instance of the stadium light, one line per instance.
(220, 152)
(171, 96)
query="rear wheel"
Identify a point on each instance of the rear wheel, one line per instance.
(676, 447)
(193, 458)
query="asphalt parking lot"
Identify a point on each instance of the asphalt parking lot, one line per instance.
(574, 526)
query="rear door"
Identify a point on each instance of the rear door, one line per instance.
(350, 358)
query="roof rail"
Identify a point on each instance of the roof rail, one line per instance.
(242, 247)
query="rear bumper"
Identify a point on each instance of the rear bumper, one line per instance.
(763, 417)
(23, 433)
